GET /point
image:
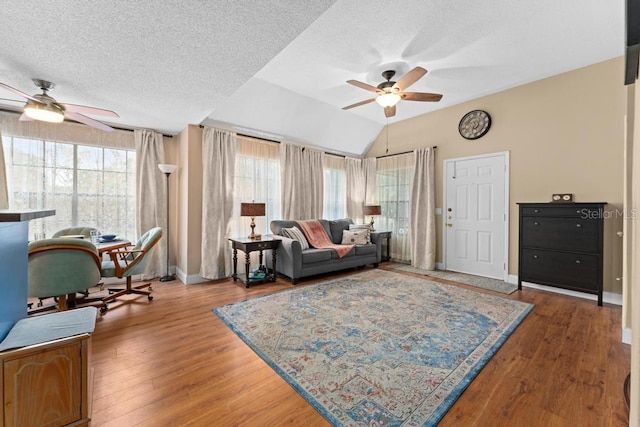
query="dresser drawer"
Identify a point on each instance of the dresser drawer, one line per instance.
(573, 211)
(566, 234)
(572, 271)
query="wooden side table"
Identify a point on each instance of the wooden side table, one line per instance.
(247, 246)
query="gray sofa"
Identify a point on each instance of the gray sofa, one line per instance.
(295, 263)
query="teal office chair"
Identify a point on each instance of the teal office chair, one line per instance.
(61, 267)
(75, 231)
(126, 262)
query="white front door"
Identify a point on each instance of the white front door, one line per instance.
(475, 215)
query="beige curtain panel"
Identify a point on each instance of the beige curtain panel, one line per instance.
(218, 166)
(151, 196)
(302, 179)
(423, 204)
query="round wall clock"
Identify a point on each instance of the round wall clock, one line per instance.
(474, 124)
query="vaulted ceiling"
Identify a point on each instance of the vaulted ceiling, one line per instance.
(278, 69)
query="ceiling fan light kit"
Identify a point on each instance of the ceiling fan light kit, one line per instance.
(43, 112)
(44, 108)
(388, 99)
(390, 92)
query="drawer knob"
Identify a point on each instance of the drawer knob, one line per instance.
(536, 211)
(578, 261)
(535, 257)
(536, 223)
(579, 225)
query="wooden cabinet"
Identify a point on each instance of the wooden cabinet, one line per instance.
(561, 245)
(47, 384)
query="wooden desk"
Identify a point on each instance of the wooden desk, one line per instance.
(247, 246)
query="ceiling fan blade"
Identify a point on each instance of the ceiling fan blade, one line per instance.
(421, 96)
(390, 111)
(357, 104)
(12, 100)
(363, 85)
(19, 92)
(25, 118)
(83, 109)
(410, 78)
(88, 121)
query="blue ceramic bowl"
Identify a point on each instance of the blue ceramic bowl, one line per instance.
(108, 237)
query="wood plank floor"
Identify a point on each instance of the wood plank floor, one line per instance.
(172, 362)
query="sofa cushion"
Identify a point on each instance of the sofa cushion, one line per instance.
(337, 226)
(355, 237)
(277, 226)
(296, 234)
(362, 227)
(365, 250)
(316, 255)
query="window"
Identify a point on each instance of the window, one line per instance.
(393, 192)
(257, 178)
(335, 183)
(86, 185)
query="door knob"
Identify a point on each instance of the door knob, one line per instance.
(449, 224)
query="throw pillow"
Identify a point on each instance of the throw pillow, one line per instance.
(296, 234)
(356, 237)
(366, 227)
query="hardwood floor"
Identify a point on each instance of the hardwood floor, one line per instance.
(173, 362)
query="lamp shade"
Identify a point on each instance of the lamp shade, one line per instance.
(165, 168)
(371, 210)
(252, 209)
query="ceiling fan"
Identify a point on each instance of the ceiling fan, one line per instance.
(45, 108)
(390, 92)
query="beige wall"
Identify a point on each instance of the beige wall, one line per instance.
(565, 134)
(189, 202)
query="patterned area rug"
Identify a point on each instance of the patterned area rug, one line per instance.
(467, 279)
(378, 347)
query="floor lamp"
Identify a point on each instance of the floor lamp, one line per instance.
(167, 170)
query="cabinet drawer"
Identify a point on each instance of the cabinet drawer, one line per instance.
(566, 234)
(572, 271)
(573, 211)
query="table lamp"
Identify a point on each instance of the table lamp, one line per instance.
(253, 210)
(371, 210)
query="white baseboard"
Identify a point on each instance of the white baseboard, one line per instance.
(608, 297)
(439, 266)
(626, 336)
(513, 279)
(191, 279)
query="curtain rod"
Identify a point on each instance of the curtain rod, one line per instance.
(400, 154)
(73, 121)
(277, 142)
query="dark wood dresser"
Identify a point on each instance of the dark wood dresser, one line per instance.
(561, 245)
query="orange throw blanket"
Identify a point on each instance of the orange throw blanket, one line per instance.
(318, 238)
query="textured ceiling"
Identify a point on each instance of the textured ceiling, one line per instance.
(278, 69)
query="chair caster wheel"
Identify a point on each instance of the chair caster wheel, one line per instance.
(104, 309)
(150, 288)
(150, 297)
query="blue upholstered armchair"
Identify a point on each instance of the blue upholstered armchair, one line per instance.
(126, 262)
(61, 266)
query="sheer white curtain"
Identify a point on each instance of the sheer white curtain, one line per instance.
(361, 186)
(423, 204)
(370, 180)
(335, 187)
(302, 182)
(356, 188)
(218, 165)
(256, 178)
(151, 199)
(4, 191)
(393, 194)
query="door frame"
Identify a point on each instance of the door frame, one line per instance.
(445, 163)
